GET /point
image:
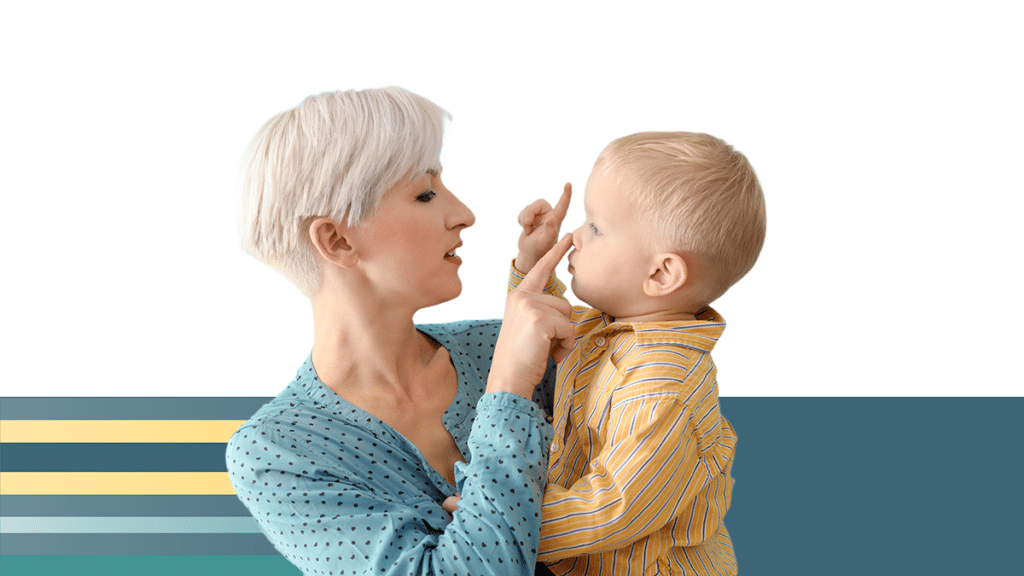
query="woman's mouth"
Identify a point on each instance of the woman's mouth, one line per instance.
(452, 257)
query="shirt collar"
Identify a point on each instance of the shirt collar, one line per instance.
(700, 334)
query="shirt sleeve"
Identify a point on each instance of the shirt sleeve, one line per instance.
(555, 287)
(328, 522)
(649, 469)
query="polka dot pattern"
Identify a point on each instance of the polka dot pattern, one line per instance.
(339, 492)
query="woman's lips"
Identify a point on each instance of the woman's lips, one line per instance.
(452, 257)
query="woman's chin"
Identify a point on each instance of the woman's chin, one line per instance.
(450, 292)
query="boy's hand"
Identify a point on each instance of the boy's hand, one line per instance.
(451, 504)
(540, 224)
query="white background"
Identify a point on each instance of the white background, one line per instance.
(887, 136)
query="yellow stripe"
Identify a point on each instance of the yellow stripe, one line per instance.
(114, 483)
(117, 430)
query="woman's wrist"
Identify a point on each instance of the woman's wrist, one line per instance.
(496, 383)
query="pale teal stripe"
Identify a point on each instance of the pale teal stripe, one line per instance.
(199, 505)
(128, 525)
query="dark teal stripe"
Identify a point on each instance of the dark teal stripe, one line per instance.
(855, 486)
(135, 544)
(65, 505)
(147, 566)
(169, 408)
(112, 457)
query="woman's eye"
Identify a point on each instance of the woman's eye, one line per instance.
(426, 196)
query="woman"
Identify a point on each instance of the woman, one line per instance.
(347, 470)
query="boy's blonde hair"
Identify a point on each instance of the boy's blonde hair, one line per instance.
(699, 194)
(334, 155)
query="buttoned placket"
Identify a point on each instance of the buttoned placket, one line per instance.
(594, 346)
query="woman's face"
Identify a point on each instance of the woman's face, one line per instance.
(407, 248)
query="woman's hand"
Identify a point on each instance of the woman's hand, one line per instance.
(535, 326)
(540, 224)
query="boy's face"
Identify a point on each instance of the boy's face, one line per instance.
(611, 256)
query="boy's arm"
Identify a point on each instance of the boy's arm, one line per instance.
(651, 468)
(553, 287)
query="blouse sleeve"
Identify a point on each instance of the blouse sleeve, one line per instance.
(326, 522)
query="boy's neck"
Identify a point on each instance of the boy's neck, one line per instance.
(658, 316)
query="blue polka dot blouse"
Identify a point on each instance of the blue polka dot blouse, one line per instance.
(338, 491)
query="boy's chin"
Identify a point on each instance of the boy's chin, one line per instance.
(584, 296)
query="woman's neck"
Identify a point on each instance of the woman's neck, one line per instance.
(359, 343)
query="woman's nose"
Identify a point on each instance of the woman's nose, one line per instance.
(461, 216)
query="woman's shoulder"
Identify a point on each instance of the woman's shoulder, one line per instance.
(470, 343)
(288, 406)
(464, 329)
(464, 334)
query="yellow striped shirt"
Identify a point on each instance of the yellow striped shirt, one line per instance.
(639, 472)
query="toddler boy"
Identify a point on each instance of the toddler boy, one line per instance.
(639, 472)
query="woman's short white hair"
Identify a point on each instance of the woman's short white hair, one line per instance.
(334, 155)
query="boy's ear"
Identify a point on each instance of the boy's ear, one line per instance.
(668, 274)
(331, 240)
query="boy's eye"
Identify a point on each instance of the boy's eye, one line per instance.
(594, 229)
(426, 196)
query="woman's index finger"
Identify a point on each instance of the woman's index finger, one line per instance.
(537, 278)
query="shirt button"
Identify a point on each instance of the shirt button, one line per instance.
(599, 340)
(550, 419)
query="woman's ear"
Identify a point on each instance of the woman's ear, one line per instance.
(331, 240)
(668, 274)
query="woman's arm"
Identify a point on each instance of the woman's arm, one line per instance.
(351, 501)
(535, 326)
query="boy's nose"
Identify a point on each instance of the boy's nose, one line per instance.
(577, 236)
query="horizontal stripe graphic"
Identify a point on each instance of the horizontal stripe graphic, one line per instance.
(149, 565)
(172, 408)
(129, 525)
(103, 505)
(168, 431)
(112, 457)
(28, 483)
(832, 476)
(134, 544)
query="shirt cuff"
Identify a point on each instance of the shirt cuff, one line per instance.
(502, 401)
